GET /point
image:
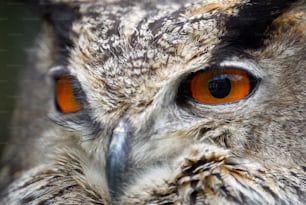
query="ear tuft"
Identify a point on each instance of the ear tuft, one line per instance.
(59, 14)
(247, 28)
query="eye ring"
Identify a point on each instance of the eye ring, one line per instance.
(221, 86)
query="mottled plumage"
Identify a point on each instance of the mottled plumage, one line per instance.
(141, 137)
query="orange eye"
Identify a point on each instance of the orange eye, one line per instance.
(221, 86)
(65, 97)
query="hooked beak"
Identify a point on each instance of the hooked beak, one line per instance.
(117, 158)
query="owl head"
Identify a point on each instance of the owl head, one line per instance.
(134, 84)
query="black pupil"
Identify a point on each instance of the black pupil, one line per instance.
(219, 86)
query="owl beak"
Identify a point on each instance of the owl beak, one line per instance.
(117, 158)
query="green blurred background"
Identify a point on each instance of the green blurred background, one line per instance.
(18, 27)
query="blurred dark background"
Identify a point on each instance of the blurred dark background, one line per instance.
(18, 28)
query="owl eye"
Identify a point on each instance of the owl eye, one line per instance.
(221, 86)
(66, 100)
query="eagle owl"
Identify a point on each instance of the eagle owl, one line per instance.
(162, 102)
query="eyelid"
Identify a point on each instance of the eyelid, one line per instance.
(246, 65)
(58, 71)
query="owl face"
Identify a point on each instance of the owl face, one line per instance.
(140, 82)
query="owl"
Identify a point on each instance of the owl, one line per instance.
(162, 102)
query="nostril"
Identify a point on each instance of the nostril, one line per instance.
(117, 158)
